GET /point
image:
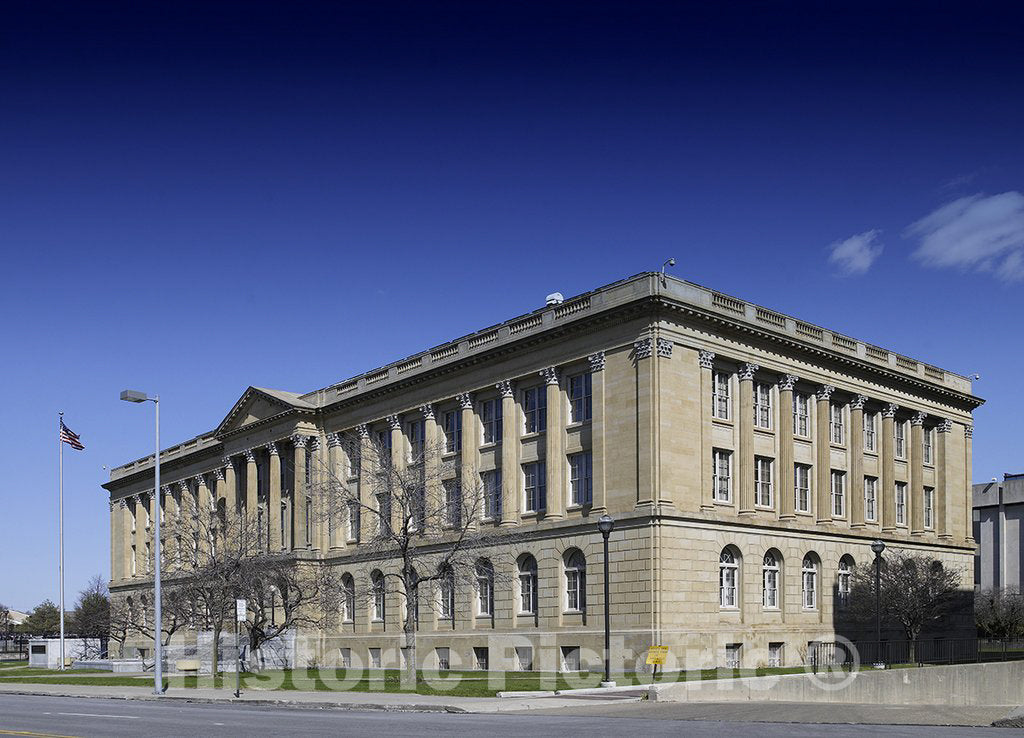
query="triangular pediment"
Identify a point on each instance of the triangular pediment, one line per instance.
(257, 405)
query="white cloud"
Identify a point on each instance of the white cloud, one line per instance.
(856, 254)
(983, 233)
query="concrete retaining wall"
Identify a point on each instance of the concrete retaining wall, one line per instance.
(963, 684)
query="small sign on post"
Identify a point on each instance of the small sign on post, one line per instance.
(240, 608)
(656, 656)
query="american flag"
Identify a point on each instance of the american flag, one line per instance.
(70, 437)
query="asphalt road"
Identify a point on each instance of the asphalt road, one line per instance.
(71, 716)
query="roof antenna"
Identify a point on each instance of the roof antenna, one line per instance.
(669, 263)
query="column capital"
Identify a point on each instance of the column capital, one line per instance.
(394, 421)
(428, 411)
(504, 387)
(968, 430)
(825, 392)
(219, 473)
(200, 479)
(550, 375)
(889, 411)
(857, 403)
(596, 361)
(363, 431)
(664, 348)
(272, 448)
(123, 503)
(945, 426)
(642, 348)
(183, 485)
(918, 419)
(314, 443)
(706, 359)
(465, 400)
(334, 439)
(747, 371)
(250, 456)
(226, 461)
(786, 382)
(299, 440)
(165, 489)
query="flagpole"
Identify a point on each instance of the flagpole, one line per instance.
(60, 535)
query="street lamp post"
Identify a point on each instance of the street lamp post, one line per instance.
(878, 547)
(605, 524)
(158, 680)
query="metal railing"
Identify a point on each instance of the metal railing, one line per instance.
(924, 651)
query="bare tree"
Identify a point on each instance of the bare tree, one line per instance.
(92, 616)
(433, 527)
(999, 613)
(916, 591)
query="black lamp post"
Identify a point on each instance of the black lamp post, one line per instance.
(605, 524)
(878, 546)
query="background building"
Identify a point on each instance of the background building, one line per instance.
(749, 459)
(999, 531)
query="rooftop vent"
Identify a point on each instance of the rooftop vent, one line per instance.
(555, 298)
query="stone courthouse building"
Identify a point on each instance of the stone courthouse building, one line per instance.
(748, 458)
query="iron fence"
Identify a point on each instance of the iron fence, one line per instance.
(924, 651)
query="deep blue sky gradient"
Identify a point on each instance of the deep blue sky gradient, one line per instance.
(195, 197)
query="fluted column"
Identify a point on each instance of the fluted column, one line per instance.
(336, 479)
(367, 466)
(917, 473)
(855, 488)
(887, 484)
(745, 419)
(398, 463)
(300, 525)
(554, 445)
(470, 463)
(431, 471)
(509, 455)
(252, 488)
(170, 527)
(274, 498)
(707, 365)
(597, 432)
(125, 513)
(823, 456)
(230, 487)
(646, 422)
(204, 518)
(115, 541)
(784, 472)
(141, 525)
(943, 469)
(967, 495)
(187, 522)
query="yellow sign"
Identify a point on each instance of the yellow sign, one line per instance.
(656, 655)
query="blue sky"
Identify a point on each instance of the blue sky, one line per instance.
(195, 197)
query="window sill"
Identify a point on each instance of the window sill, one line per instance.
(765, 508)
(805, 513)
(574, 612)
(578, 423)
(483, 616)
(837, 446)
(768, 608)
(488, 446)
(722, 421)
(723, 503)
(526, 614)
(575, 507)
(533, 513)
(801, 437)
(531, 435)
(761, 429)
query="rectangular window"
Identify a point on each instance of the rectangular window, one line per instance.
(535, 409)
(836, 427)
(444, 662)
(308, 472)
(417, 433)
(480, 657)
(720, 401)
(870, 499)
(802, 487)
(524, 658)
(838, 493)
(732, 655)
(581, 482)
(353, 522)
(762, 405)
(869, 431)
(374, 658)
(900, 437)
(901, 503)
(721, 462)
(345, 656)
(929, 508)
(452, 431)
(452, 491)
(775, 654)
(580, 402)
(763, 481)
(309, 521)
(491, 481)
(570, 658)
(383, 513)
(801, 417)
(490, 418)
(535, 486)
(928, 445)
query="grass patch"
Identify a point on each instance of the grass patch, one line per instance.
(27, 671)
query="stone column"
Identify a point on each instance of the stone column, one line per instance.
(367, 464)
(707, 364)
(659, 402)
(431, 472)
(230, 487)
(887, 484)
(186, 521)
(823, 456)
(855, 443)
(274, 498)
(329, 493)
(300, 530)
(399, 460)
(318, 525)
(170, 525)
(784, 482)
(252, 488)
(126, 536)
(967, 496)
(204, 518)
(141, 525)
(745, 420)
(470, 462)
(597, 432)
(646, 369)
(916, 463)
(154, 510)
(509, 455)
(115, 541)
(943, 477)
(554, 445)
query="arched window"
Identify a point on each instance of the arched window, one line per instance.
(728, 578)
(575, 581)
(527, 566)
(809, 578)
(379, 592)
(348, 598)
(770, 580)
(844, 580)
(484, 587)
(446, 592)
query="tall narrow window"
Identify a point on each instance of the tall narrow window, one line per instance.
(490, 418)
(575, 581)
(383, 513)
(484, 588)
(492, 494)
(535, 409)
(929, 507)
(452, 431)
(580, 403)
(416, 431)
(836, 426)
(770, 581)
(353, 521)
(527, 585)
(927, 453)
(348, 599)
(809, 584)
(901, 503)
(801, 418)
(535, 486)
(838, 494)
(581, 482)
(446, 593)
(802, 487)
(728, 575)
(844, 581)
(720, 400)
(900, 437)
(452, 491)
(722, 475)
(763, 481)
(762, 405)
(379, 595)
(870, 499)
(870, 419)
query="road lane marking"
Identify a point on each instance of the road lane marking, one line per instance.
(93, 714)
(37, 735)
